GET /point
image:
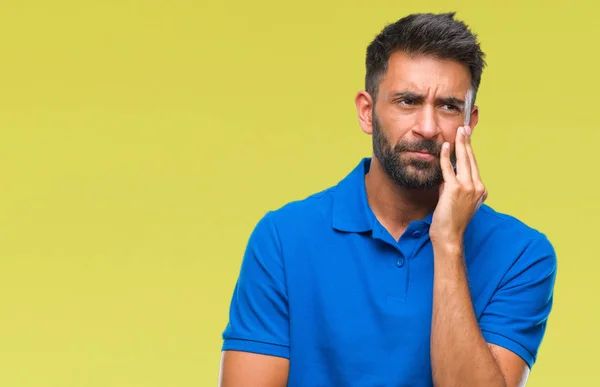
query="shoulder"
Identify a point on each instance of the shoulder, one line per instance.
(301, 216)
(491, 224)
(307, 211)
(510, 239)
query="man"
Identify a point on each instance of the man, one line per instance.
(398, 275)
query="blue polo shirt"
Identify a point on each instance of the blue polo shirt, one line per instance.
(323, 284)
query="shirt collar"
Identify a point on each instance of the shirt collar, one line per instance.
(351, 210)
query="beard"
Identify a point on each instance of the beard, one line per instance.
(413, 173)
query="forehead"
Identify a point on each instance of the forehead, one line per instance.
(425, 75)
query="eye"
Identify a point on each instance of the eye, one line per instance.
(406, 102)
(450, 107)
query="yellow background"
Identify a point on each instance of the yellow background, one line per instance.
(140, 142)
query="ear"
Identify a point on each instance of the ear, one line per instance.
(474, 117)
(364, 108)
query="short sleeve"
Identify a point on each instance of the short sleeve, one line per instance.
(258, 314)
(517, 314)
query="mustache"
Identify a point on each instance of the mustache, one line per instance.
(428, 146)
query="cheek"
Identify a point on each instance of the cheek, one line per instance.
(449, 123)
(402, 118)
(398, 125)
(449, 134)
(449, 126)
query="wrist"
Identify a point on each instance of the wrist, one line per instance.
(447, 248)
(449, 263)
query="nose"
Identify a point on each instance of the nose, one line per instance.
(426, 125)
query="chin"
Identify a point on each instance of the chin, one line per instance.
(424, 182)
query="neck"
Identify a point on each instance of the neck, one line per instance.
(394, 206)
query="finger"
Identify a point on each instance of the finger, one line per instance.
(477, 183)
(463, 165)
(481, 200)
(473, 162)
(479, 203)
(446, 164)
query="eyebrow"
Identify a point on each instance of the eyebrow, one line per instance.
(419, 98)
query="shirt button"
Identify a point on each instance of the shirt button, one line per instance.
(416, 234)
(400, 262)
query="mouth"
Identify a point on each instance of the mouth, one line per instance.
(422, 155)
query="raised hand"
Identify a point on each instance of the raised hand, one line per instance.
(461, 193)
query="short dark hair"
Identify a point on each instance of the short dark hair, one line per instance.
(436, 35)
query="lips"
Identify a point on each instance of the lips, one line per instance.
(422, 154)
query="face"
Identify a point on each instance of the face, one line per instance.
(419, 106)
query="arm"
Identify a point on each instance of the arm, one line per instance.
(255, 348)
(514, 321)
(500, 349)
(459, 353)
(241, 369)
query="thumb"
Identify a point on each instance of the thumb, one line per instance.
(446, 165)
(441, 189)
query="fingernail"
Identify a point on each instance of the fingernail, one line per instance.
(462, 130)
(468, 130)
